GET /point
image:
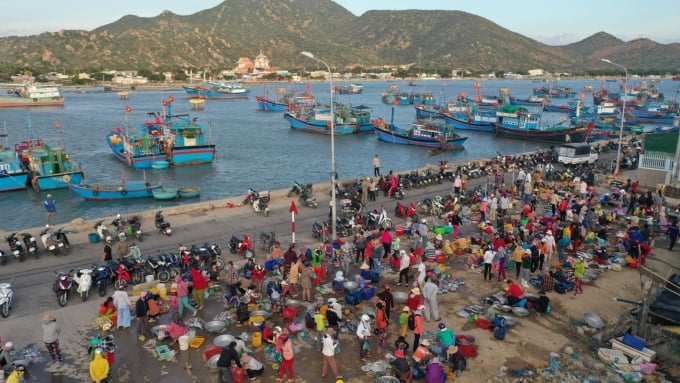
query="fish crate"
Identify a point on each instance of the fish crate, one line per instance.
(197, 342)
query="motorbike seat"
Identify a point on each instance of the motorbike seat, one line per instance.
(237, 239)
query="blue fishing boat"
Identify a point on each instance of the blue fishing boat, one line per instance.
(555, 91)
(13, 175)
(217, 91)
(165, 194)
(284, 100)
(178, 139)
(50, 164)
(461, 115)
(120, 191)
(361, 117)
(531, 101)
(517, 122)
(429, 134)
(349, 89)
(318, 120)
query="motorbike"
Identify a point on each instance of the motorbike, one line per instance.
(242, 246)
(63, 286)
(162, 225)
(299, 189)
(135, 264)
(156, 266)
(83, 280)
(102, 231)
(409, 212)
(101, 275)
(30, 243)
(172, 264)
(214, 254)
(123, 277)
(6, 295)
(52, 241)
(134, 227)
(16, 247)
(119, 224)
(378, 218)
(306, 198)
(258, 201)
(321, 230)
(268, 241)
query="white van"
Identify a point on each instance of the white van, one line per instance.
(569, 154)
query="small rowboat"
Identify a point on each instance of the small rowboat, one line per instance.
(160, 165)
(189, 192)
(165, 193)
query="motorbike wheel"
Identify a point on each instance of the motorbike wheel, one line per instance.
(137, 277)
(84, 295)
(101, 289)
(173, 272)
(4, 261)
(387, 224)
(164, 276)
(62, 298)
(117, 283)
(249, 254)
(4, 310)
(220, 263)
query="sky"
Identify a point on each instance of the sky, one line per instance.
(552, 22)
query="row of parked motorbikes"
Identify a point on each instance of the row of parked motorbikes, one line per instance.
(56, 242)
(130, 227)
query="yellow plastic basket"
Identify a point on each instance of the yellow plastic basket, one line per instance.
(197, 342)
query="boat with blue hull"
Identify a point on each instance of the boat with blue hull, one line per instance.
(361, 117)
(178, 139)
(349, 89)
(285, 100)
(430, 134)
(13, 176)
(50, 164)
(122, 191)
(318, 120)
(466, 118)
(517, 122)
(217, 91)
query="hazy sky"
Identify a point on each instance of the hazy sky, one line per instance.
(551, 22)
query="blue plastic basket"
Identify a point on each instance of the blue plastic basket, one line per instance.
(93, 237)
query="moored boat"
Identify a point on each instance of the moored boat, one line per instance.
(13, 176)
(349, 89)
(50, 165)
(426, 134)
(165, 193)
(318, 120)
(32, 95)
(216, 91)
(284, 100)
(517, 122)
(124, 190)
(189, 192)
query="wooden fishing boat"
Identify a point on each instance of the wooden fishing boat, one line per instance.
(13, 176)
(189, 192)
(32, 95)
(165, 194)
(284, 100)
(349, 89)
(517, 122)
(318, 120)
(427, 134)
(50, 164)
(124, 190)
(217, 91)
(160, 165)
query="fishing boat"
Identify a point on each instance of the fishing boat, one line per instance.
(361, 117)
(189, 192)
(120, 191)
(50, 164)
(427, 134)
(349, 89)
(165, 194)
(318, 120)
(531, 101)
(461, 115)
(517, 122)
(284, 100)
(556, 91)
(13, 175)
(160, 165)
(177, 139)
(32, 95)
(216, 91)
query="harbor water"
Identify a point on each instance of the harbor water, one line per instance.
(255, 148)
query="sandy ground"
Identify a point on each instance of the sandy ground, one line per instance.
(527, 345)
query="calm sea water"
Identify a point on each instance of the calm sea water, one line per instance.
(255, 149)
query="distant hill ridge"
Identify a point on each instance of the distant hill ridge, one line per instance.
(217, 37)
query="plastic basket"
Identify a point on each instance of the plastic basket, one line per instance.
(197, 342)
(163, 352)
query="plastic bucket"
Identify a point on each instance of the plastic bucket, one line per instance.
(183, 342)
(257, 339)
(149, 278)
(399, 231)
(93, 237)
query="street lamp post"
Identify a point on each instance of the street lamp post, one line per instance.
(334, 212)
(623, 112)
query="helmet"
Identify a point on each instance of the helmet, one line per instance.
(20, 368)
(47, 226)
(118, 215)
(365, 318)
(278, 329)
(259, 267)
(109, 241)
(442, 325)
(8, 346)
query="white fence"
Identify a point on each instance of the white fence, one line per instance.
(657, 161)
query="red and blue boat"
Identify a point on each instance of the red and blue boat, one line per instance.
(318, 120)
(429, 134)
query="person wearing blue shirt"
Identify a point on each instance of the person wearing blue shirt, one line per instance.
(51, 208)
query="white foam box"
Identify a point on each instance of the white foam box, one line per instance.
(645, 355)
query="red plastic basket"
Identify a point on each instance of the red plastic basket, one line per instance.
(484, 324)
(468, 351)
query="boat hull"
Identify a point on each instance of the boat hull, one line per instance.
(577, 134)
(207, 94)
(13, 181)
(165, 194)
(22, 102)
(270, 105)
(189, 192)
(137, 161)
(193, 155)
(383, 133)
(58, 181)
(96, 192)
(318, 126)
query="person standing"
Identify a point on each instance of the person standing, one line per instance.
(51, 208)
(579, 273)
(288, 359)
(141, 312)
(489, 255)
(386, 240)
(421, 272)
(227, 357)
(123, 248)
(123, 306)
(376, 166)
(200, 286)
(430, 290)
(183, 296)
(51, 332)
(404, 266)
(306, 283)
(232, 279)
(360, 246)
(329, 343)
(526, 267)
(365, 185)
(387, 298)
(99, 367)
(673, 232)
(364, 333)
(418, 326)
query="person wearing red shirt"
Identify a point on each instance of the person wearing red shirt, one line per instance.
(257, 278)
(498, 242)
(414, 300)
(514, 293)
(200, 285)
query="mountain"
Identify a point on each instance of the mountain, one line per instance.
(215, 38)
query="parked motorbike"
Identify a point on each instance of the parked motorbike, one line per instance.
(172, 263)
(119, 225)
(321, 230)
(409, 212)
(63, 286)
(83, 280)
(306, 198)
(155, 266)
(268, 241)
(123, 277)
(6, 295)
(162, 225)
(135, 264)
(134, 227)
(30, 243)
(214, 253)
(101, 275)
(52, 243)
(242, 246)
(103, 231)
(299, 189)
(16, 247)
(378, 218)
(258, 201)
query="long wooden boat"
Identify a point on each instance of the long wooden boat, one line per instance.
(50, 165)
(216, 91)
(318, 121)
(13, 176)
(285, 100)
(517, 122)
(32, 95)
(430, 135)
(349, 89)
(473, 118)
(121, 191)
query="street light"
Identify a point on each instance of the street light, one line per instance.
(334, 212)
(623, 112)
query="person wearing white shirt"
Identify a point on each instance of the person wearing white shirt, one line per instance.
(489, 254)
(328, 352)
(422, 271)
(430, 290)
(404, 265)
